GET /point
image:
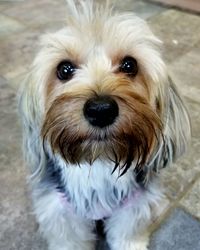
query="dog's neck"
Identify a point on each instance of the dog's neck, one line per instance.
(101, 212)
(93, 191)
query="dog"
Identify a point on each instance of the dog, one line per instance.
(101, 117)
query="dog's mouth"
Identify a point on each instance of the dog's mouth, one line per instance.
(102, 130)
(119, 148)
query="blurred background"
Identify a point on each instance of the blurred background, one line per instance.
(177, 23)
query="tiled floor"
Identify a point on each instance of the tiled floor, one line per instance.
(191, 5)
(179, 232)
(21, 24)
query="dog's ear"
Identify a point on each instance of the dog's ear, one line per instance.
(29, 109)
(177, 129)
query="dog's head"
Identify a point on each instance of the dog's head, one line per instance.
(99, 89)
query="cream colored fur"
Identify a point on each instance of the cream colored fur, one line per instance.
(96, 35)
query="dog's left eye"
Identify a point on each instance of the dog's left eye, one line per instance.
(129, 66)
(65, 70)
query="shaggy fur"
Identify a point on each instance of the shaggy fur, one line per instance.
(81, 173)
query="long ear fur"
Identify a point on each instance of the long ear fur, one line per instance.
(31, 118)
(177, 129)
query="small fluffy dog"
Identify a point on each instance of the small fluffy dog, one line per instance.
(101, 117)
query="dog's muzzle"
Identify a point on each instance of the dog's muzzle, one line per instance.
(101, 111)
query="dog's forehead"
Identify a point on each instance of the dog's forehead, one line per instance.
(102, 44)
(116, 35)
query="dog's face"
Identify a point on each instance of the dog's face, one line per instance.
(100, 90)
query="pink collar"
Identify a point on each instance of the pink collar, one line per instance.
(101, 212)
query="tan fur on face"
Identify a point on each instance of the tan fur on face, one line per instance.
(98, 56)
(131, 137)
(151, 111)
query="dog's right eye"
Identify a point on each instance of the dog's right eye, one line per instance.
(65, 70)
(129, 66)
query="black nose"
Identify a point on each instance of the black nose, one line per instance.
(101, 111)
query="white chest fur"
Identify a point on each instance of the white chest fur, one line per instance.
(93, 191)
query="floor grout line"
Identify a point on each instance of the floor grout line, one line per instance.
(173, 205)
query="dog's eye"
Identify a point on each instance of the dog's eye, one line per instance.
(65, 70)
(129, 66)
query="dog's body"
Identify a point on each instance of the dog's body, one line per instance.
(101, 118)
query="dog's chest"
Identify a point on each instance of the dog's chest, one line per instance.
(94, 192)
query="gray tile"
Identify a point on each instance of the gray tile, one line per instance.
(35, 13)
(191, 202)
(179, 31)
(143, 9)
(17, 225)
(186, 72)
(180, 175)
(192, 5)
(5, 5)
(9, 25)
(180, 232)
(17, 53)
